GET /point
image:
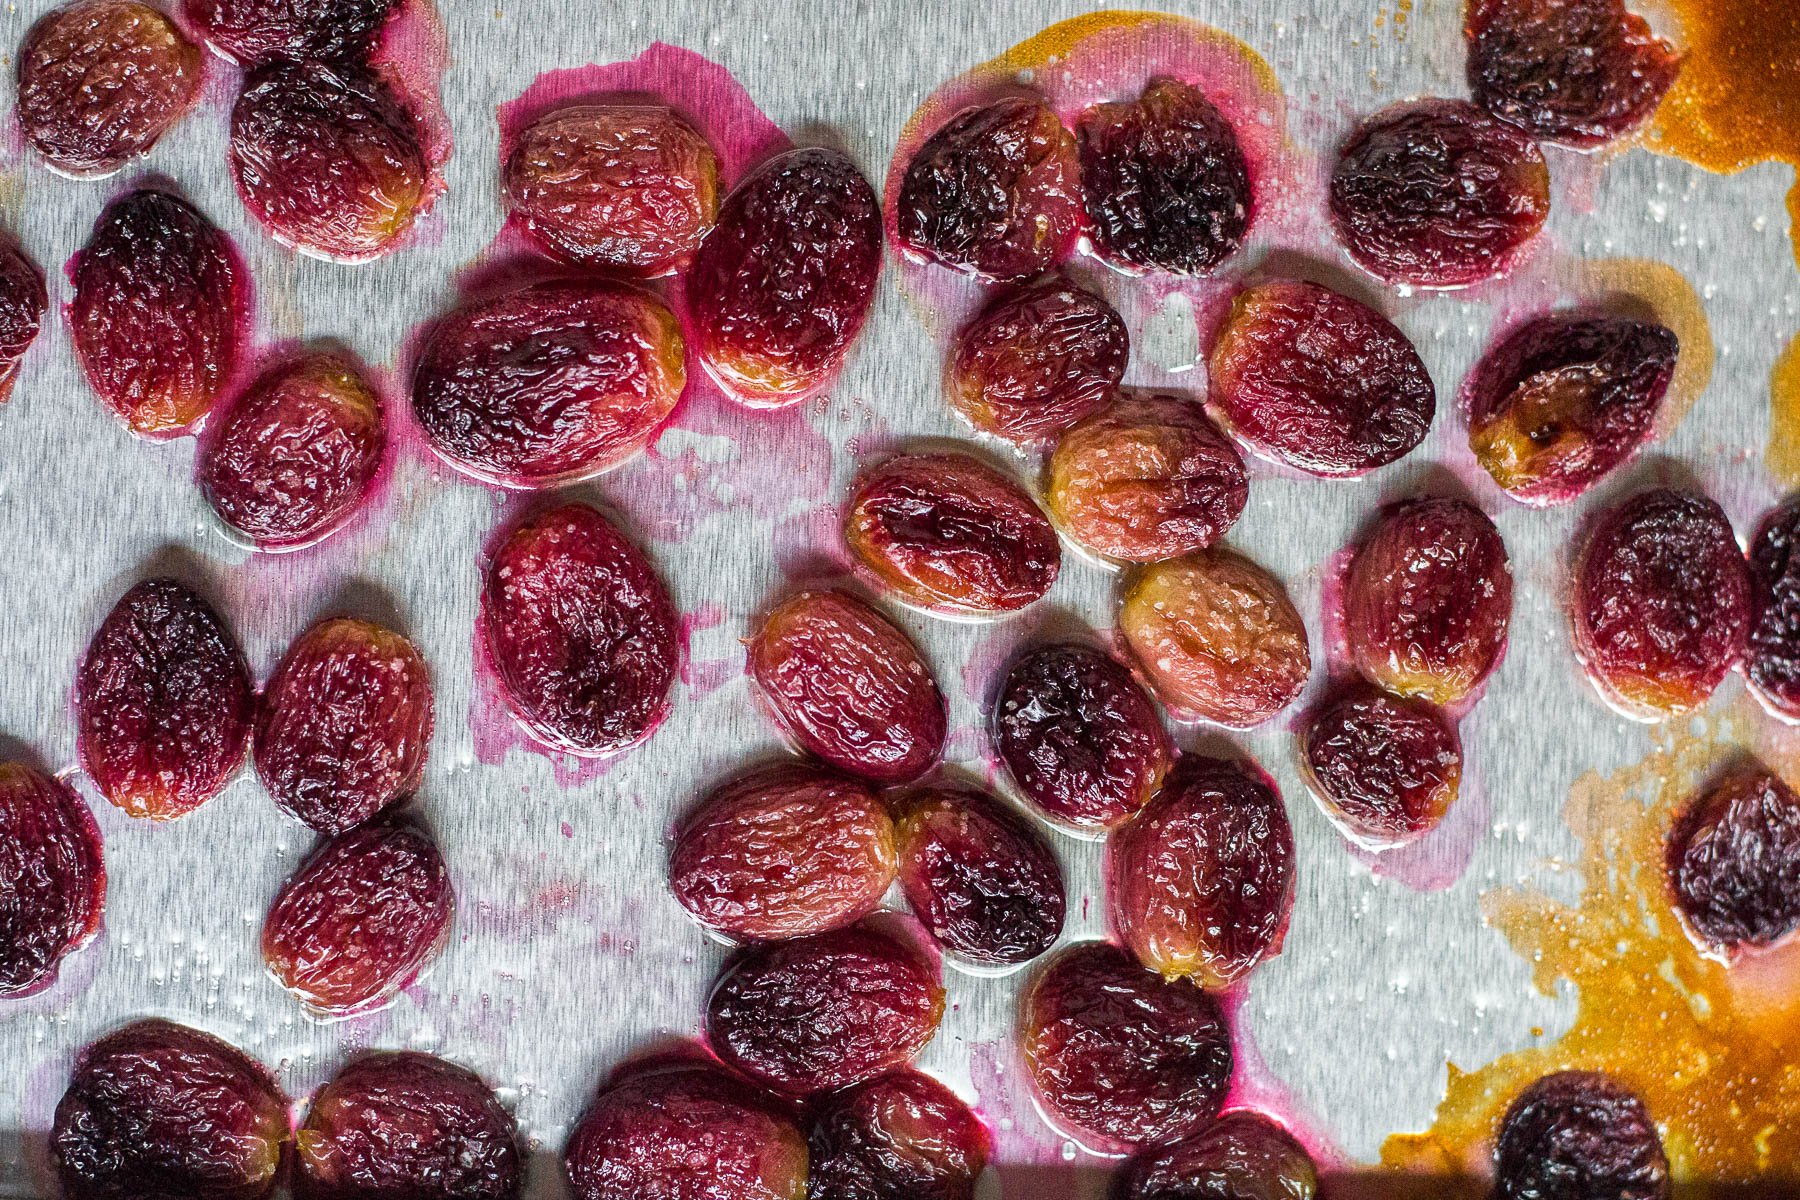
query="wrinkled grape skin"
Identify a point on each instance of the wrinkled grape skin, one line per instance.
(293, 457)
(550, 383)
(1120, 1056)
(1148, 477)
(950, 533)
(162, 702)
(158, 1111)
(824, 1012)
(1079, 737)
(52, 877)
(1318, 381)
(992, 192)
(1241, 1156)
(625, 187)
(1217, 638)
(362, 918)
(1385, 768)
(400, 1125)
(1037, 361)
(328, 158)
(1201, 881)
(23, 302)
(1565, 399)
(1428, 600)
(982, 880)
(1661, 604)
(1734, 863)
(343, 726)
(159, 312)
(784, 851)
(904, 1136)
(1772, 660)
(584, 638)
(251, 32)
(849, 686)
(101, 81)
(1578, 72)
(1579, 1135)
(781, 286)
(1164, 181)
(1438, 194)
(685, 1133)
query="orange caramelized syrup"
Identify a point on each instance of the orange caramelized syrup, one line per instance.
(1735, 104)
(1715, 1052)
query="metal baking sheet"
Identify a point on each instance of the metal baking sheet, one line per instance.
(569, 954)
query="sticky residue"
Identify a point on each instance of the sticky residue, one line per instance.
(1736, 104)
(1714, 1051)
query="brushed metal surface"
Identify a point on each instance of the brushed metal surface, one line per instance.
(569, 954)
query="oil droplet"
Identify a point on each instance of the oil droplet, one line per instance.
(1737, 103)
(1676, 1025)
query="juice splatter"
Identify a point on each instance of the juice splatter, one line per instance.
(1715, 1052)
(1110, 56)
(1736, 104)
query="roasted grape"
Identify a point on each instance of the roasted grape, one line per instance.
(626, 187)
(401, 1125)
(1201, 881)
(827, 1011)
(1661, 603)
(159, 312)
(550, 383)
(328, 158)
(1579, 72)
(782, 284)
(1734, 862)
(1565, 399)
(100, 81)
(293, 457)
(949, 532)
(1428, 599)
(688, 1132)
(1037, 361)
(1149, 477)
(1438, 194)
(23, 301)
(583, 635)
(784, 851)
(1079, 736)
(904, 1136)
(343, 725)
(1385, 768)
(255, 31)
(1217, 637)
(1241, 1156)
(1772, 660)
(1579, 1135)
(1120, 1056)
(52, 877)
(992, 192)
(1318, 381)
(162, 702)
(364, 915)
(1164, 181)
(981, 879)
(849, 686)
(158, 1111)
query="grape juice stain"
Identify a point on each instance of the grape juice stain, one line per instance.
(1714, 1051)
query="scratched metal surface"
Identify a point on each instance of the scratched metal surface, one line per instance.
(569, 953)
